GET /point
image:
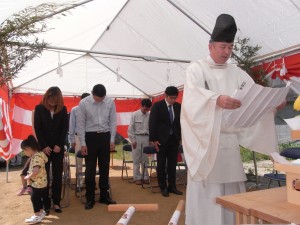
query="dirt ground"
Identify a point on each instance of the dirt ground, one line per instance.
(15, 209)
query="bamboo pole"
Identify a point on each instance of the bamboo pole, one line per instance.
(126, 216)
(175, 217)
(138, 207)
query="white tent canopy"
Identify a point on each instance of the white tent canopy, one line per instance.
(146, 28)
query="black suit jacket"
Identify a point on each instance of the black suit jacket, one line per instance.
(50, 132)
(160, 124)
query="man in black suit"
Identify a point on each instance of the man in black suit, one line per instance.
(165, 136)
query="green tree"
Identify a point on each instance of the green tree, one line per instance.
(18, 37)
(244, 55)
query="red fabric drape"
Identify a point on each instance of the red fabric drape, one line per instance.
(292, 64)
(5, 129)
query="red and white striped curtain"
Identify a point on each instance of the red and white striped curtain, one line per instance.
(24, 104)
(5, 129)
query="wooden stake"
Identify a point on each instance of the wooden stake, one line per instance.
(138, 207)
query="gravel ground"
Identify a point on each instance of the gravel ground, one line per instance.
(263, 167)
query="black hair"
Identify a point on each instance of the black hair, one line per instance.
(30, 142)
(99, 90)
(84, 95)
(171, 91)
(146, 102)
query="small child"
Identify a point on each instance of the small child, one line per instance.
(37, 179)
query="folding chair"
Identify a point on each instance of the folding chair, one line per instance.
(291, 153)
(275, 176)
(150, 151)
(126, 159)
(181, 173)
(71, 165)
(81, 175)
(66, 181)
(112, 152)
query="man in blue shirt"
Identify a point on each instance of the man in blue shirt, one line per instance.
(96, 122)
(73, 137)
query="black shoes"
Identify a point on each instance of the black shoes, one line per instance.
(89, 205)
(107, 201)
(165, 192)
(57, 209)
(47, 212)
(175, 191)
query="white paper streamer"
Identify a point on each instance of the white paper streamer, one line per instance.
(175, 217)
(127, 216)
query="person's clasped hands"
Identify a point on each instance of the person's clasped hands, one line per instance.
(47, 150)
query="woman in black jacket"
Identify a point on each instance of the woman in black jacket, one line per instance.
(51, 126)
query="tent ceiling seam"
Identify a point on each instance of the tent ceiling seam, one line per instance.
(44, 74)
(108, 26)
(144, 57)
(117, 74)
(158, 84)
(194, 21)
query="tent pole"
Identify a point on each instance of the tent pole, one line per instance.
(143, 57)
(146, 58)
(13, 88)
(257, 59)
(63, 10)
(108, 26)
(277, 54)
(7, 167)
(256, 184)
(117, 74)
(188, 16)
(194, 21)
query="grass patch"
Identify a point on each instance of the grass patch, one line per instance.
(289, 145)
(247, 155)
(118, 154)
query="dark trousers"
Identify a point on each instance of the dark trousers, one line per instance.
(40, 199)
(167, 161)
(98, 147)
(56, 161)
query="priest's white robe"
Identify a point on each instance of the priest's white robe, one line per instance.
(211, 150)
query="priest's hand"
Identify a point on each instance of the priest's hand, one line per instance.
(226, 102)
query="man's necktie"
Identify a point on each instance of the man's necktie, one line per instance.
(171, 117)
(170, 113)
